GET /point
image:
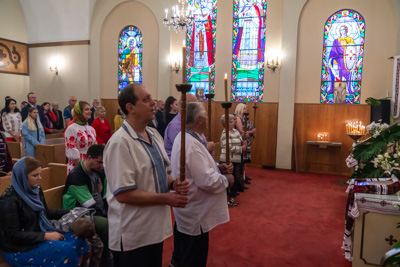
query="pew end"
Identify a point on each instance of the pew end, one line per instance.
(16, 149)
(47, 153)
(54, 197)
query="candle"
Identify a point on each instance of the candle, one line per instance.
(226, 87)
(166, 13)
(209, 81)
(183, 62)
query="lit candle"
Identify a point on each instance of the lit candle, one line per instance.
(209, 81)
(226, 87)
(183, 62)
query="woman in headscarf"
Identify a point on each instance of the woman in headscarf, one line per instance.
(29, 237)
(79, 136)
(32, 132)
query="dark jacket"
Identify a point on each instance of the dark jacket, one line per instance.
(59, 124)
(25, 112)
(80, 188)
(19, 224)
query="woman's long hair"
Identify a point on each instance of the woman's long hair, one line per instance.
(6, 109)
(31, 121)
(167, 109)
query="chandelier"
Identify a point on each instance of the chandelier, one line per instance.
(181, 18)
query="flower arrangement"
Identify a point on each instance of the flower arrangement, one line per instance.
(379, 155)
(374, 128)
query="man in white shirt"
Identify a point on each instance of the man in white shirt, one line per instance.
(207, 206)
(138, 186)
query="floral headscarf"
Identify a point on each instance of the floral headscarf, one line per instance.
(78, 115)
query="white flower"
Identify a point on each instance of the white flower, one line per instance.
(380, 157)
(387, 155)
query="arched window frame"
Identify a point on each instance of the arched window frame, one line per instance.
(331, 78)
(134, 35)
(256, 91)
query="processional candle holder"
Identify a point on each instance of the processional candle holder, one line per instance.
(227, 106)
(209, 100)
(184, 89)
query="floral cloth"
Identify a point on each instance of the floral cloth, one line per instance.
(51, 253)
(78, 138)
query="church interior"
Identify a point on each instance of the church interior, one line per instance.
(72, 49)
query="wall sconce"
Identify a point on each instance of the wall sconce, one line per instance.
(273, 58)
(54, 69)
(56, 62)
(175, 63)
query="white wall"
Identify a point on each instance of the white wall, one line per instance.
(72, 78)
(13, 27)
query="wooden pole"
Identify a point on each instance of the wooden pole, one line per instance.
(226, 106)
(209, 101)
(183, 88)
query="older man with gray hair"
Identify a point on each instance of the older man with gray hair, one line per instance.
(207, 207)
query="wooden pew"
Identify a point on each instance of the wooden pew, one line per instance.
(53, 176)
(54, 197)
(3, 262)
(16, 149)
(55, 135)
(5, 182)
(52, 151)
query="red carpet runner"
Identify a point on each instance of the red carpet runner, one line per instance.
(284, 219)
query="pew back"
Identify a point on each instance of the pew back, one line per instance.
(50, 153)
(3, 262)
(54, 197)
(54, 135)
(5, 182)
(53, 176)
(15, 148)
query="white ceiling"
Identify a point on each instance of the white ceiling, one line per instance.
(57, 20)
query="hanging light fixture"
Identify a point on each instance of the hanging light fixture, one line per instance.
(181, 17)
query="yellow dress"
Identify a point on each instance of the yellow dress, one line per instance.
(117, 122)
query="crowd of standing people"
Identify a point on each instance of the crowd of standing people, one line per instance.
(131, 187)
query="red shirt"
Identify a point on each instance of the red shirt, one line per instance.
(103, 130)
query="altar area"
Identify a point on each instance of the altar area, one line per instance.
(373, 204)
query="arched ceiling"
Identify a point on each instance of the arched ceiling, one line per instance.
(57, 20)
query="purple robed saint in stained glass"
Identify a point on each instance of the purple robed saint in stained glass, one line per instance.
(343, 58)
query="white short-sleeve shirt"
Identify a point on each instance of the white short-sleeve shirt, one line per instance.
(128, 166)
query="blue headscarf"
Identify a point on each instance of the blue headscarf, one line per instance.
(30, 195)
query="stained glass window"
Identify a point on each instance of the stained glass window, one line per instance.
(130, 48)
(342, 60)
(200, 47)
(249, 17)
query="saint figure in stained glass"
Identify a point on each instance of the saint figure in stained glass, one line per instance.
(200, 40)
(130, 56)
(343, 58)
(249, 17)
